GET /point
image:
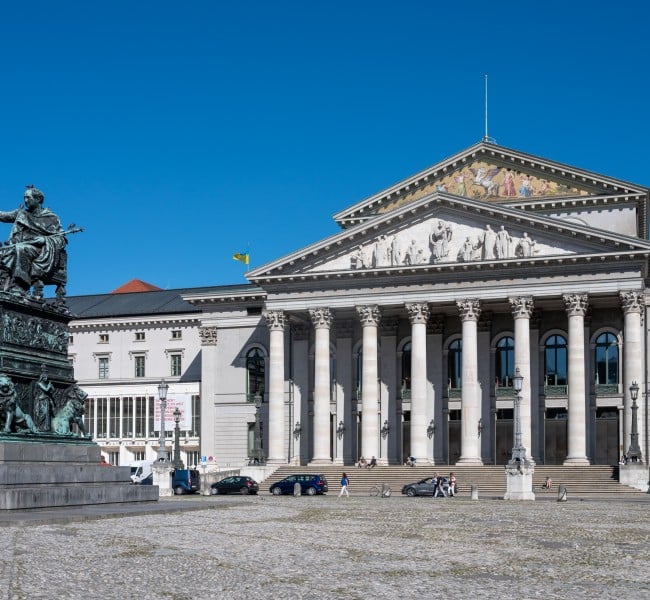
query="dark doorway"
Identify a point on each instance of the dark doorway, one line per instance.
(607, 444)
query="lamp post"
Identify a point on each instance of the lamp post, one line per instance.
(518, 451)
(178, 463)
(257, 454)
(385, 429)
(340, 430)
(162, 395)
(634, 452)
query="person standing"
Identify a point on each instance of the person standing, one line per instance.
(344, 485)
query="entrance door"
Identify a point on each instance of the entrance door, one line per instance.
(607, 445)
(555, 440)
(406, 436)
(504, 440)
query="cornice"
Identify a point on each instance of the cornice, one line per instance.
(135, 322)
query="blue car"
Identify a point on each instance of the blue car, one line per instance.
(310, 484)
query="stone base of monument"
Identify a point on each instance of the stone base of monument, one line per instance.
(519, 483)
(44, 473)
(634, 474)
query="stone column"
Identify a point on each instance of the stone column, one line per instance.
(576, 308)
(322, 321)
(522, 310)
(470, 396)
(418, 315)
(633, 360)
(369, 316)
(209, 371)
(276, 321)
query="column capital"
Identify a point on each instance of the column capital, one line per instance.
(576, 304)
(275, 319)
(521, 306)
(469, 309)
(632, 302)
(418, 312)
(321, 318)
(369, 315)
(208, 336)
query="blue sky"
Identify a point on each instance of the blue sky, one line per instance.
(179, 133)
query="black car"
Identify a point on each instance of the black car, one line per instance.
(310, 484)
(235, 485)
(425, 487)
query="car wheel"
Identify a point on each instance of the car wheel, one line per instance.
(244, 491)
(311, 491)
(178, 490)
(214, 491)
(277, 491)
(411, 492)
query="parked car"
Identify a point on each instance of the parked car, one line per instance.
(310, 484)
(186, 481)
(424, 487)
(235, 485)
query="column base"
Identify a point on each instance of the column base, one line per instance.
(468, 460)
(320, 461)
(581, 461)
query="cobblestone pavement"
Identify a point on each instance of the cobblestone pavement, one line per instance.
(325, 547)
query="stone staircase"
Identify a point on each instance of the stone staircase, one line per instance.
(580, 481)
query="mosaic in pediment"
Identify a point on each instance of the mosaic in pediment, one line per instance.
(484, 181)
(436, 241)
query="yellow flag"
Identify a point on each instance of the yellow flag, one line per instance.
(242, 257)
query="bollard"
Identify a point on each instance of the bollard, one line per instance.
(474, 492)
(561, 494)
(297, 490)
(385, 491)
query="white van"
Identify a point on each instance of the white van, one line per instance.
(141, 472)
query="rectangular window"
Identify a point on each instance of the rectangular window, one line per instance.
(114, 458)
(139, 336)
(151, 417)
(177, 334)
(176, 365)
(103, 338)
(193, 458)
(196, 416)
(138, 455)
(102, 417)
(127, 417)
(89, 416)
(139, 366)
(140, 417)
(103, 367)
(70, 339)
(114, 418)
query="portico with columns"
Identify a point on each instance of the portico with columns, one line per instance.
(399, 335)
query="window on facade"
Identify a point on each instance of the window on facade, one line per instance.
(455, 364)
(255, 369)
(114, 418)
(139, 366)
(127, 417)
(151, 416)
(196, 416)
(555, 356)
(140, 417)
(102, 361)
(139, 336)
(177, 334)
(103, 338)
(193, 458)
(138, 455)
(606, 359)
(406, 368)
(89, 416)
(175, 365)
(359, 372)
(505, 362)
(102, 417)
(70, 339)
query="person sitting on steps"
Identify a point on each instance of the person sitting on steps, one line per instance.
(373, 463)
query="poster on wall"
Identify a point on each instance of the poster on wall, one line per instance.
(181, 401)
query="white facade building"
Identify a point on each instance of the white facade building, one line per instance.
(400, 335)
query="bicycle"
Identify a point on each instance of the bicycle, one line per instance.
(384, 491)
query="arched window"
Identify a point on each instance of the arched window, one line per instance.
(455, 364)
(359, 371)
(255, 370)
(606, 359)
(406, 369)
(555, 357)
(505, 362)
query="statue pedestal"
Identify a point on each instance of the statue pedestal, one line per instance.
(46, 471)
(519, 482)
(162, 477)
(635, 475)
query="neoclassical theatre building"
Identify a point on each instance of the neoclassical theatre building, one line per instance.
(399, 335)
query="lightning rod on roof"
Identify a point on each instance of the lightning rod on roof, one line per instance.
(486, 137)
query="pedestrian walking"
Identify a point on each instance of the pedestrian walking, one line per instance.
(344, 485)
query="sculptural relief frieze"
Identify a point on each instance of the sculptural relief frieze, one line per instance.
(33, 332)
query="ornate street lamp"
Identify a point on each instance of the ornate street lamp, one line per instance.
(178, 463)
(431, 428)
(634, 453)
(481, 426)
(297, 429)
(518, 452)
(385, 429)
(162, 395)
(340, 429)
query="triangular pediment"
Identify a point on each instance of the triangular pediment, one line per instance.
(493, 174)
(444, 231)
